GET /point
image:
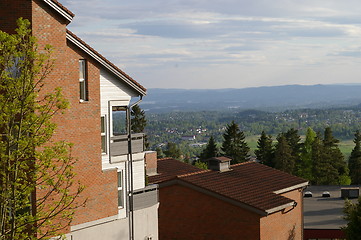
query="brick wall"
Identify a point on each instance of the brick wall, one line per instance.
(81, 123)
(285, 223)
(188, 214)
(10, 11)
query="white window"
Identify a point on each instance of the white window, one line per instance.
(120, 190)
(103, 134)
(83, 80)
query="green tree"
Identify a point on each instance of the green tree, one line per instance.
(265, 149)
(211, 150)
(352, 213)
(201, 165)
(334, 157)
(354, 162)
(234, 144)
(36, 175)
(172, 151)
(293, 140)
(283, 155)
(304, 167)
(139, 122)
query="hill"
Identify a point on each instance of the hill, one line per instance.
(276, 98)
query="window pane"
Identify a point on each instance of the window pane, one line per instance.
(82, 69)
(104, 144)
(119, 120)
(82, 90)
(102, 124)
(120, 180)
(120, 198)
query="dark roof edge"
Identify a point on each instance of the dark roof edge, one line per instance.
(301, 185)
(57, 6)
(213, 194)
(105, 63)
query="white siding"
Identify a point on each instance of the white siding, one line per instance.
(138, 174)
(112, 89)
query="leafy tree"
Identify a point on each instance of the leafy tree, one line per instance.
(172, 151)
(304, 167)
(37, 196)
(354, 162)
(283, 155)
(211, 149)
(265, 150)
(352, 213)
(234, 144)
(139, 122)
(201, 165)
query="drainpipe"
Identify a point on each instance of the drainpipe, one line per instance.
(130, 171)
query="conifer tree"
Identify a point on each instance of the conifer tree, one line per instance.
(334, 157)
(354, 162)
(283, 155)
(234, 144)
(293, 139)
(139, 122)
(211, 150)
(265, 150)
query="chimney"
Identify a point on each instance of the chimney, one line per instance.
(221, 164)
(151, 163)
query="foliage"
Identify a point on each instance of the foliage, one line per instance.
(265, 150)
(139, 122)
(352, 213)
(211, 150)
(234, 145)
(36, 177)
(201, 165)
(354, 162)
(172, 151)
(304, 166)
(283, 155)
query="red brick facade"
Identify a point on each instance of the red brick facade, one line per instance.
(81, 123)
(185, 213)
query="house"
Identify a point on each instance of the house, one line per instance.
(118, 204)
(323, 210)
(246, 201)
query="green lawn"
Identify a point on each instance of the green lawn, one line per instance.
(345, 146)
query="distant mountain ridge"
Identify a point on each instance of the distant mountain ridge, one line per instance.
(275, 98)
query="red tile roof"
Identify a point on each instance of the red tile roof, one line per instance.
(169, 168)
(250, 183)
(107, 61)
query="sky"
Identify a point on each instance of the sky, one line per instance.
(212, 44)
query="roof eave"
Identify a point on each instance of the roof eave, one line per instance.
(301, 185)
(53, 5)
(279, 208)
(105, 64)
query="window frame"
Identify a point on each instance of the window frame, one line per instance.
(103, 134)
(120, 188)
(83, 81)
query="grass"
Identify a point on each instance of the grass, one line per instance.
(345, 146)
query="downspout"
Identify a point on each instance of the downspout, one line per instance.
(130, 171)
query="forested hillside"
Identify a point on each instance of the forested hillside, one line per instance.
(177, 126)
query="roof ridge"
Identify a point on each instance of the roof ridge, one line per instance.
(106, 60)
(193, 173)
(243, 163)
